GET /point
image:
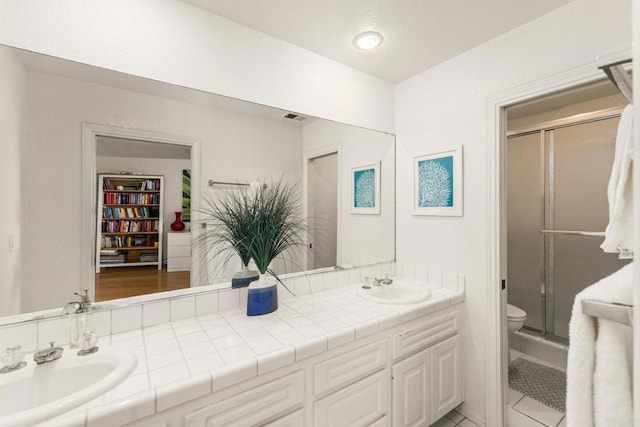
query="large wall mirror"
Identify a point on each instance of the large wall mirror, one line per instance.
(70, 122)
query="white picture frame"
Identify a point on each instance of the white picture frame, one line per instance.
(437, 183)
(365, 189)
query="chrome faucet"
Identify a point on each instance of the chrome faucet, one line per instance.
(48, 354)
(82, 306)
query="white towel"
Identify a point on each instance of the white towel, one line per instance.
(599, 374)
(619, 232)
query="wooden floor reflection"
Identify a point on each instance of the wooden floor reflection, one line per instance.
(122, 282)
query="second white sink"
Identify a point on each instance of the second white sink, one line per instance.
(397, 293)
(40, 392)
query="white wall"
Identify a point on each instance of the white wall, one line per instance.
(12, 111)
(178, 43)
(364, 238)
(171, 169)
(234, 147)
(446, 106)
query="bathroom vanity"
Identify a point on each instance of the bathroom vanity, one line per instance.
(326, 358)
(409, 374)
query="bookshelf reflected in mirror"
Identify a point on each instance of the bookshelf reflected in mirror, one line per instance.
(129, 221)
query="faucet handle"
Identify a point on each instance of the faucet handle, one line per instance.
(85, 297)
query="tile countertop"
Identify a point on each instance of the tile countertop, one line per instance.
(184, 360)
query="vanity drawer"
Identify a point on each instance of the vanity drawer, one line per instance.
(345, 368)
(359, 404)
(426, 332)
(255, 406)
(295, 419)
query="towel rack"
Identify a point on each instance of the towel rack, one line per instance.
(239, 184)
(575, 232)
(613, 67)
(620, 313)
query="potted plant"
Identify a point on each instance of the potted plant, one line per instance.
(263, 223)
(227, 219)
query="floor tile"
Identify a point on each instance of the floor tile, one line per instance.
(514, 396)
(563, 422)
(516, 419)
(538, 411)
(455, 416)
(444, 422)
(467, 423)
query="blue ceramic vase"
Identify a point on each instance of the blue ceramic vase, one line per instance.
(242, 278)
(262, 297)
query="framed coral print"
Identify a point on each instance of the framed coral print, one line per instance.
(365, 189)
(437, 183)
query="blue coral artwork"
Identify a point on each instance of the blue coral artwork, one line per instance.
(438, 183)
(365, 189)
(435, 182)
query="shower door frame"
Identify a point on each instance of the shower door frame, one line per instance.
(496, 351)
(547, 179)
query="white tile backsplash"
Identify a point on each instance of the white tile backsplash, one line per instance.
(421, 274)
(228, 299)
(126, 319)
(56, 330)
(24, 334)
(206, 303)
(183, 308)
(435, 277)
(155, 313)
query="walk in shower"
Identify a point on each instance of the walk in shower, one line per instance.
(556, 180)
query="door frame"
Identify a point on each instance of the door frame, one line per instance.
(496, 351)
(89, 180)
(307, 157)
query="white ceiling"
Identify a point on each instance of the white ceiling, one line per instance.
(418, 33)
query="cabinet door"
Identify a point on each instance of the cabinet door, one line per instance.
(359, 404)
(446, 377)
(411, 390)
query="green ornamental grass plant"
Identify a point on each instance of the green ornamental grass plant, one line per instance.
(263, 223)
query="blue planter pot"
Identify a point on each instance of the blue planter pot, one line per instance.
(243, 278)
(262, 297)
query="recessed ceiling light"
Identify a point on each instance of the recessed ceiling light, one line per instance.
(368, 40)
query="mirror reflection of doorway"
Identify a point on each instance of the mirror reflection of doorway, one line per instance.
(322, 203)
(118, 155)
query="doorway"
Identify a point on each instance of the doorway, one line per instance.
(111, 149)
(554, 155)
(322, 210)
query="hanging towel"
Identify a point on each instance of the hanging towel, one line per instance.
(619, 232)
(599, 359)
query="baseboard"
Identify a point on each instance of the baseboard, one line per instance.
(471, 413)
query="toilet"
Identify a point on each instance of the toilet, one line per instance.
(515, 318)
(515, 321)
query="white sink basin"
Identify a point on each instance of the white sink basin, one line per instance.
(40, 392)
(396, 293)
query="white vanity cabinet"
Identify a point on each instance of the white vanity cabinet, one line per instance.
(427, 384)
(406, 375)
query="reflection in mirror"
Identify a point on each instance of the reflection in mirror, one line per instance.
(66, 122)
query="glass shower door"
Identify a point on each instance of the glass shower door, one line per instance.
(578, 164)
(525, 216)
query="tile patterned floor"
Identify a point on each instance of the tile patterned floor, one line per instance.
(521, 412)
(526, 412)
